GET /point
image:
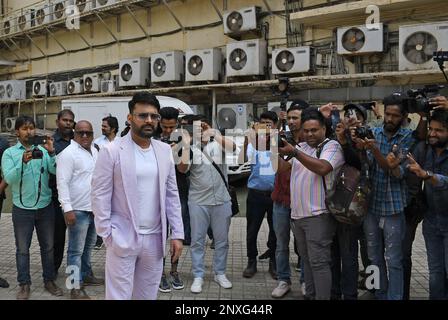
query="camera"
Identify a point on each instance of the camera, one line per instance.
(36, 153)
(364, 132)
(287, 136)
(418, 99)
(37, 140)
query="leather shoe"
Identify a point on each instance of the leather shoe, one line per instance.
(51, 287)
(4, 283)
(93, 281)
(265, 255)
(251, 269)
(272, 270)
(79, 294)
(24, 292)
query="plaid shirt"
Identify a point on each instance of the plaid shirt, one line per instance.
(388, 194)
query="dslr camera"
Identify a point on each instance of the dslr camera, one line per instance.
(287, 136)
(364, 132)
(418, 99)
(36, 140)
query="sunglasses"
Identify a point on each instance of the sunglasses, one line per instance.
(145, 115)
(85, 133)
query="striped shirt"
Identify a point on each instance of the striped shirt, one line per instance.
(307, 188)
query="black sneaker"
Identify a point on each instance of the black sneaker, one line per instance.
(265, 255)
(4, 283)
(99, 243)
(176, 281)
(164, 285)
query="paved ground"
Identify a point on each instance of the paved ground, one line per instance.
(259, 287)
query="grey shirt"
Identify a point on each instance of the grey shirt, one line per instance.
(206, 185)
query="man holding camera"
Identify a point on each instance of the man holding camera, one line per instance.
(429, 162)
(26, 168)
(168, 125)
(209, 201)
(260, 186)
(313, 161)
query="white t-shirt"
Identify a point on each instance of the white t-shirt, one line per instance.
(147, 190)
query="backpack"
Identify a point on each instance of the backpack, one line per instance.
(346, 200)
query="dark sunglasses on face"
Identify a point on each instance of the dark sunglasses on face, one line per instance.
(145, 115)
(85, 133)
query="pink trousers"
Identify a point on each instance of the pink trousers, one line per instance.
(135, 277)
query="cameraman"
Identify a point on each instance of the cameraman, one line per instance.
(384, 225)
(167, 125)
(429, 162)
(260, 186)
(26, 169)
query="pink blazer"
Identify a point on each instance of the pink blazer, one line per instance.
(114, 200)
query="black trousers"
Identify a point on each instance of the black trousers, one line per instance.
(59, 235)
(259, 203)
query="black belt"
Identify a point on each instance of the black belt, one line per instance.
(263, 192)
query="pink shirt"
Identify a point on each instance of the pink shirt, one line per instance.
(307, 188)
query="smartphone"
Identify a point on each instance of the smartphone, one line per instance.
(335, 119)
(37, 140)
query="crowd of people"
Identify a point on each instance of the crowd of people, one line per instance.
(162, 184)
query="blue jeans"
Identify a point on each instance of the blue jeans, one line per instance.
(384, 237)
(24, 222)
(281, 220)
(201, 217)
(81, 240)
(436, 240)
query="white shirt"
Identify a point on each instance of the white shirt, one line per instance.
(74, 169)
(147, 190)
(102, 141)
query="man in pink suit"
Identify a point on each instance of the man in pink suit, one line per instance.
(134, 193)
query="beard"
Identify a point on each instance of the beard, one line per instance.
(146, 134)
(440, 144)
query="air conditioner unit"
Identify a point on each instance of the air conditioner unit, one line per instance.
(167, 66)
(83, 5)
(75, 86)
(58, 8)
(203, 65)
(134, 72)
(25, 20)
(10, 123)
(9, 25)
(275, 106)
(13, 90)
(43, 14)
(360, 40)
(241, 21)
(58, 89)
(417, 44)
(91, 82)
(246, 58)
(291, 60)
(234, 116)
(104, 3)
(107, 86)
(40, 88)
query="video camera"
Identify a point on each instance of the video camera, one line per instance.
(177, 133)
(418, 99)
(283, 88)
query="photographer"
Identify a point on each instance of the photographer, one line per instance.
(281, 211)
(345, 244)
(26, 168)
(209, 201)
(167, 125)
(429, 162)
(384, 225)
(311, 222)
(260, 186)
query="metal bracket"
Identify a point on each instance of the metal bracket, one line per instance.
(54, 38)
(13, 51)
(83, 39)
(173, 15)
(15, 44)
(106, 26)
(212, 2)
(137, 22)
(34, 43)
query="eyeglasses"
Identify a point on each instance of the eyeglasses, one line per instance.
(85, 133)
(145, 115)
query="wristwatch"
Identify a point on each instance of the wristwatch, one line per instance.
(429, 175)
